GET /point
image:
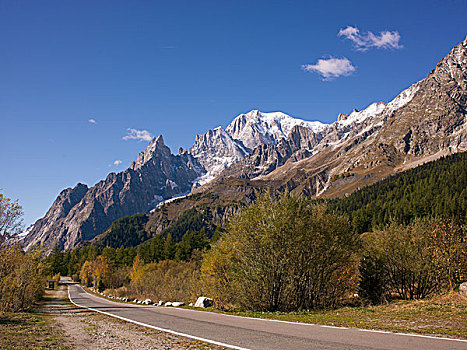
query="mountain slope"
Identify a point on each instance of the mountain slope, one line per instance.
(424, 122)
(81, 213)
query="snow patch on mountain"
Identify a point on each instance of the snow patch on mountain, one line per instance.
(359, 116)
(402, 99)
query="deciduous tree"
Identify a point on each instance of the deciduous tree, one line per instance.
(10, 218)
(284, 254)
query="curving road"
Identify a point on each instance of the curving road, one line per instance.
(248, 333)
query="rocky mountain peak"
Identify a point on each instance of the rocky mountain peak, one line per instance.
(342, 116)
(156, 148)
(81, 213)
(451, 73)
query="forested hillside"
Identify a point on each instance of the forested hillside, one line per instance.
(128, 231)
(435, 189)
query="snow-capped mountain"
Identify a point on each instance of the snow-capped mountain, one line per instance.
(215, 150)
(218, 149)
(423, 122)
(255, 128)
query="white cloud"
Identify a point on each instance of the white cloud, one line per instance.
(92, 121)
(117, 162)
(140, 135)
(331, 68)
(364, 41)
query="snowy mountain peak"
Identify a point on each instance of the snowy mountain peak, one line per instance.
(215, 150)
(255, 127)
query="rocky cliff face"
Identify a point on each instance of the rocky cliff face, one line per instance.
(81, 213)
(215, 151)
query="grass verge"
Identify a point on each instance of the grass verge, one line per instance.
(439, 316)
(29, 330)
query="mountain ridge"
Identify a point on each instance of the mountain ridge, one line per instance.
(424, 121)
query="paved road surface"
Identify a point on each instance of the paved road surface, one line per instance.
(247, 333)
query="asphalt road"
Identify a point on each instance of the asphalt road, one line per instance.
(247, 333)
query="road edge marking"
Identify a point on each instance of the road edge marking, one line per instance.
(214, 342)
(311, 324)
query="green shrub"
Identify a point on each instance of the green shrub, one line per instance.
(412, 262)
(283, 254)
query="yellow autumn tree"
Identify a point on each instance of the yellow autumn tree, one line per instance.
(10, 218)
(21, 278)
(102, 272)
(137, 273)
(20, 273)
(86, 273)
(217, 274)
(449, 252)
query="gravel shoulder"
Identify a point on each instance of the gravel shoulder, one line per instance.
(84, 329)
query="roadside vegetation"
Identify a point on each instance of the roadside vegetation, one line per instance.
(22, 278)
(21, 274)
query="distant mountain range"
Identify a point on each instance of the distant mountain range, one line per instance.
(423, 123)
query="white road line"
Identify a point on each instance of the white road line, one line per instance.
(158, 328)
(320, 325)
(337, 327)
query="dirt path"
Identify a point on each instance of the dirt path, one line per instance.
(85, 329)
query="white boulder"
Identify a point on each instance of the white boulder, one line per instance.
(463, 289)
(203, 302)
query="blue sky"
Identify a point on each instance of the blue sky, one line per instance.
(179, 68)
